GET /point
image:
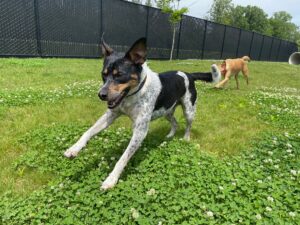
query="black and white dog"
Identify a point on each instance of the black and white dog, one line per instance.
(131, 88)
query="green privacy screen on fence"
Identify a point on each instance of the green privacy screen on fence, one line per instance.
(72, 28)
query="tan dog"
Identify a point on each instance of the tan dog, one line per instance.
(234, 66)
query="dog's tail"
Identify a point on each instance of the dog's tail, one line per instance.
(246, 58)
(214, 76)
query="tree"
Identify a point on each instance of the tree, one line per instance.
(148, 3)
(282, 26)
(220, 11)
(238, 17)
(175, 16)
(257, 20)
(251, 18)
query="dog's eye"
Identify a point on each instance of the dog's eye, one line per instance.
(116, 73)
(105, 72)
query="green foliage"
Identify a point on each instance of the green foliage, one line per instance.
(278, 106)
(282, 26)
(238, 18)
(220, 11)
(175, 14)
(32, 96)
(241, 166)
(251, 18)
(255, 19)
(197, 187)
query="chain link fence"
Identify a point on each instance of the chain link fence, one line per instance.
(73, 28)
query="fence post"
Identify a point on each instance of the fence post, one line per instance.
(179, 35)
(221, 56)
(37, 27)
(100, 26)
(278, 51)
(251, 43)
(203, 42)
(147, 22)
(271, 49)
(237, 49)
(261, 48)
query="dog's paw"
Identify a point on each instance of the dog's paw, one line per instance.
(71, 152)
(218, 87)
(109, 183)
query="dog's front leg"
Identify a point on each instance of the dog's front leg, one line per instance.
(139, 133)
(101, 124)
(226, 79)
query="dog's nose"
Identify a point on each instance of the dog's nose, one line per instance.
(102, 96)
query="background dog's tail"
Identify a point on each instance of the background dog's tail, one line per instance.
(213, 76)
(246, 58)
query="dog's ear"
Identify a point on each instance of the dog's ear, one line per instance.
(106, 50)
(138, 51)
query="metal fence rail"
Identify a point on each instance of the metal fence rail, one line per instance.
(72, 28)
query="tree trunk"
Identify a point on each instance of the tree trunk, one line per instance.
(173, 42)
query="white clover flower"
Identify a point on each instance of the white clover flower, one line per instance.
(270, 199)
(134, 213)
(233, 183)
(159, 223)
(269, 209)
(210, 214)
(258, 217)
(163, 144)
(289, 145)
(276, 166)
(292, 214)
(269, 178)
(270, 152)
(151, 192)
(221, 188)
(275, 142)
(286, 134)
(294, 172)
(259, 181)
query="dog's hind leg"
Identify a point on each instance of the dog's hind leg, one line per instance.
(139, 133)
(245, 72)
(170, 117)
(237, 80)
(189, 113)
(100, 125)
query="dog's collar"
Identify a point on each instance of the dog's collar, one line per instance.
(140, 87)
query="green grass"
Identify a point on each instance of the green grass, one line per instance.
(45, 104)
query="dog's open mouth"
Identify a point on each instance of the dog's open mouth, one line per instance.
(115, 102)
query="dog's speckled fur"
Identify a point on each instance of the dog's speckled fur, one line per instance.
(148, 102)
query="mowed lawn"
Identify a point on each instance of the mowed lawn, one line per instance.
(46, 104)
